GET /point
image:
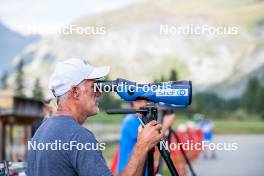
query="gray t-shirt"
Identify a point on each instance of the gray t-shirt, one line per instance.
(63, 147)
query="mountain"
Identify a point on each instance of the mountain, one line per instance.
(237, 83)
(11, 44)
(143, 42)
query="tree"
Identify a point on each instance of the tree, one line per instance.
(250, 96)
(173, 75)
(260, 101)
(208, 103)
(19, 81)
(108, 101)
(37, 90)
(162, 79)
(4, 78)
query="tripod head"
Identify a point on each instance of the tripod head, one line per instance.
(148, 112)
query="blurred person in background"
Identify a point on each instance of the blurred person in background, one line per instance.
(208, 131)
(49, 108)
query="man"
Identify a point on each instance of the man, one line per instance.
(129, 136)
(72, 84)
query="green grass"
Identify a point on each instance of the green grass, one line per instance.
(243, 127)
(222, 126)
(109, 152)
(232, 126)
(105, 118)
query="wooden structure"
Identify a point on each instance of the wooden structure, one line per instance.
(16, 111)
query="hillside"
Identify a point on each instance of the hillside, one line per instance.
(135, 48)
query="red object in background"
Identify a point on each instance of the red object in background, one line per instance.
(194, 135)
(115, 161)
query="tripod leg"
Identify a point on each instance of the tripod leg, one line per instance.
(150, 162)
(145, 168)
(160, 165)
(166, 156)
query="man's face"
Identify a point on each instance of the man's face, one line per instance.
(88, 100)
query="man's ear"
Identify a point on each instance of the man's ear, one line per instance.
(76, 92)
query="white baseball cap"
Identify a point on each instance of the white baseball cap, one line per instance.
(71, 72)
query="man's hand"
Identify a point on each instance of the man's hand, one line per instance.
(148, 137)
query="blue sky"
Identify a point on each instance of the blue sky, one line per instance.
(45, 15)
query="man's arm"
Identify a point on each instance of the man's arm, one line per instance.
(148, 137)
(136, 163)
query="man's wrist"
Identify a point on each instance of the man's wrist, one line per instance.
(141, 147)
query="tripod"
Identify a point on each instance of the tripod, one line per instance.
(161, 114)
(172, 132)
(150, 113)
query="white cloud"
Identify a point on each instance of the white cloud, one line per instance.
(46, 15)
